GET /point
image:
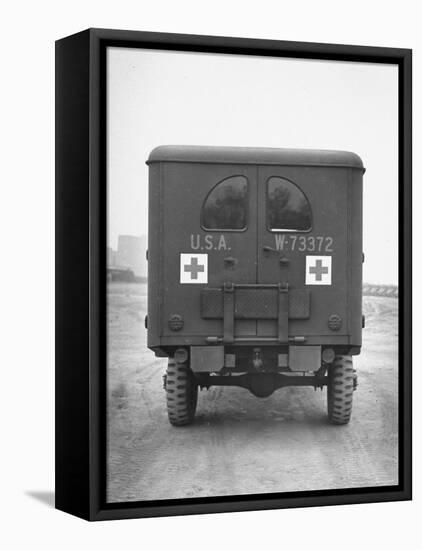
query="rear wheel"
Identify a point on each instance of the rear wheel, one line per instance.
(182, 393)
(340, 390)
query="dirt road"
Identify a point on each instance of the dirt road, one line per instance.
(240, 444)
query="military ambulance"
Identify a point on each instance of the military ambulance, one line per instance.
(255, 271)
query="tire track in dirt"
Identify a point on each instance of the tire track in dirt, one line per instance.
(240, 444)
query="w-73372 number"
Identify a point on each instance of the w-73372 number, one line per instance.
(302, 243)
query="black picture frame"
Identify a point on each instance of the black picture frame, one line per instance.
(81, 261)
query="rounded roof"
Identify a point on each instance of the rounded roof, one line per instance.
(254, 155)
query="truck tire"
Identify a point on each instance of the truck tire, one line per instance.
(181, 392)
(340, 390)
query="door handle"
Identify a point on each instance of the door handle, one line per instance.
(269, 249)
(230, 262)
(284, 262)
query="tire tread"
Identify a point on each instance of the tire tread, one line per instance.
(182, 394)
(340, 390)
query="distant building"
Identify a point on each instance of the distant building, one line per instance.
(111, 257)
(131, 253)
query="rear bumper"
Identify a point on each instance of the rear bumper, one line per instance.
(217, 359)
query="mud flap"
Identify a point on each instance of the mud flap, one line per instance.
(304, 358)
(206, 358)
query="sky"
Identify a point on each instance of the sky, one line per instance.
(158, 98)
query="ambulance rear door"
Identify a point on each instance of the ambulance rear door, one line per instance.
(303, 221)
(209, 243)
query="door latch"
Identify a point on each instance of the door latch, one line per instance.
(230, 262)
(267, 248)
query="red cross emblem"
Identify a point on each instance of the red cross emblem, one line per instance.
(193, 268)
(318, 270)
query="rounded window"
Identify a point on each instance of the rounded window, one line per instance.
(226, 205)
(288, 209)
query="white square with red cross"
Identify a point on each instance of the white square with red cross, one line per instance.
(194, 268)
(318, 270)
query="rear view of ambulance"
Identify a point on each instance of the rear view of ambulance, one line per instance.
(255, 271)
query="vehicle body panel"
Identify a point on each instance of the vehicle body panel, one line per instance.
(181, 178)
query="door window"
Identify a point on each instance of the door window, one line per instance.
(288, 208)
(226, 205)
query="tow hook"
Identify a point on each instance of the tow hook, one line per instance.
(257, 361)
(319, 377)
